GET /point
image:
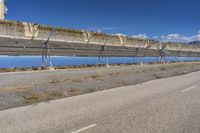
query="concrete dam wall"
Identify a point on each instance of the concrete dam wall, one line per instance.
(23, 38)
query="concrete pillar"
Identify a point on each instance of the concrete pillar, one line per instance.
(2, 9)
(122, 39)
(87, 36)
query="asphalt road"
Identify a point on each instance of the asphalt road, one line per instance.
(169, 105)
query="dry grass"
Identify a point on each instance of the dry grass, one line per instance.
(91, 90)
(15, 89)
(56, 81)
(177, 65)
(77, 80)
(157, 76)
(163, 68)
(54, 94)
(114, 74)
(95, 76)
(122, 83)
(28, 96)
(138, 71)
(74, 92)
(32, 97)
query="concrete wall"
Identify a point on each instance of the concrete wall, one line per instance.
(30, 31)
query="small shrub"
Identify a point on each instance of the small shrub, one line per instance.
(90, 90)
(32, 97)
(114, 74)
(73, 90)
(77, 80)
(163, 68)
(95, 76)
(54, 81)
(157, 76)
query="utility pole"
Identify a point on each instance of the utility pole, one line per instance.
(3, 9)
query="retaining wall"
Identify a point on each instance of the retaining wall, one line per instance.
(35, 32)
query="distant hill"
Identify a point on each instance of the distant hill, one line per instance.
(195, 43)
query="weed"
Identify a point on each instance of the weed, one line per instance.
(15, 89)
(54, 94)
(54, 81)
(32, 97)
(114, 74)
(157, 76)
(74, 92)
(90, 90)
(77, 80)
(95, 76)
(163, 68)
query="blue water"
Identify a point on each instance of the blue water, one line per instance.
(36, 61)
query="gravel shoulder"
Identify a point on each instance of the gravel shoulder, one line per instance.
(24, 88)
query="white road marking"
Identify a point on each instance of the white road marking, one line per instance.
(189, 88)
(85, 128)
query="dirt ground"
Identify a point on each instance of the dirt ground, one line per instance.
(24, 88)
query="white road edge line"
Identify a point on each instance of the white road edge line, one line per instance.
(85, 128)
(189, 88)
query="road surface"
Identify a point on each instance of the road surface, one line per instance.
(169, 105)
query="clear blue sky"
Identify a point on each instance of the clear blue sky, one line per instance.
(178, 18)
